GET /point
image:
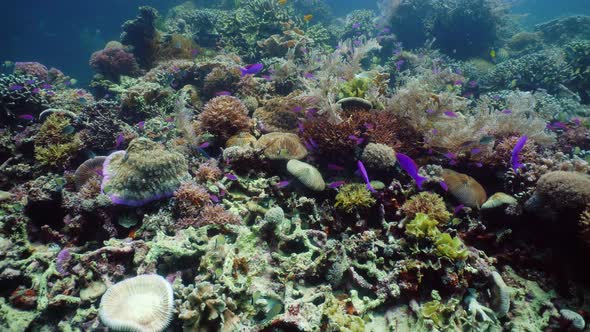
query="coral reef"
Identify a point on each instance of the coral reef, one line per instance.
(224, 116)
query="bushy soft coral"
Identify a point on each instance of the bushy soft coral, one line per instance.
(190, 199)
(56, 144)
(208, 171)
(224, 116)
(216, 215)
(356, 87)
(427, 203)
(354, 196)
(114, 62)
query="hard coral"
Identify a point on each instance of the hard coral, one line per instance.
(427, 203)
(145, 172)
(563, 192)
(224, 116)
(190, 199)
(35, 69)
(353, 197)
(379, 156)
(216, 215)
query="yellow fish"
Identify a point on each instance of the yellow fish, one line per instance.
(282, 2)
(493, 54)
(307, 17)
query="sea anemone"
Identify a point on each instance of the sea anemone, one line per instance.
(140, 304)
(224, 116)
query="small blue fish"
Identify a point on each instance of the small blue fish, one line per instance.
(334, 167)
(252, 69)
(363, 172)
(15, 87)
(408, 165)
(336, 184)
(283, 184)
(450, 114)
(27, 117)
(514, 158)
(119, 141)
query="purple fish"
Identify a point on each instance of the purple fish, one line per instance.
(369, 126)
(364, 174)
(283, 184)
(194, 52)
(336, 184)
(120, 140)
(80, 93)
(356, 25)
(577, 121)
(35, 91)
(214, 198)
(28, 82)
(458, 209)
(473, 84)
(231, 176)
(50, 93)
(27, 117)
(15, 87)
(313, 143)
(141, 125)
(334, 167)
(223, 93)
(309, 76)
(443, 185)
(308, 145)
(430, 111)
(68, 83)
(357, 140)
(408, 165)
(204, 145)
(475, 151)
(514, 159)
(296, 109)
(252, 69)
(434, 131)
(300, 127)
(399, 64)
(458, 82)
(311, 112)
(559, 125)
(451, 155)
(507, 111)
(450, 114)
(46, 86)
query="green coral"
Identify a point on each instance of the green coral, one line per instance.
(437, 311)
(451, 247)
(143, 173)
(356, 87)
(422, 226)
(353, 197)
(56, 144)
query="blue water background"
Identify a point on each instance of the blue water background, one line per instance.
(64, 33)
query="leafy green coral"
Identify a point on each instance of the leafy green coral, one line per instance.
(356, 87)
(437, 311)
(354, 196)
(422, 226)
(56, 144)
(450, 247)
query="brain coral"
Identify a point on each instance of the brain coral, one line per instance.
(563, 191)
(145, 172)
(224, 116)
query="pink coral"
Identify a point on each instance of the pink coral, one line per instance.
(31, 68)
(114, 62)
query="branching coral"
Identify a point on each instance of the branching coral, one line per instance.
(427, 203)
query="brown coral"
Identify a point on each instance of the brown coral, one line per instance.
(428, 203)
(503, 152)
(221, 78)
(282, 146)
(224, 116)
(190, 199)
(214, 215)
(283, 113)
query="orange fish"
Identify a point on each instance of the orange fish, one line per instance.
(282, 2)
(307, 17)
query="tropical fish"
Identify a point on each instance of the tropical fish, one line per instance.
(223, 93)
(214, 198)
(296, 109)
(514, 159)
(252, 69)
(35, 91)
(204, 145)
(450, 114)
(15, 87)
(336, 184)
(493, 54)
(141, 125)
(443, 185)
(231, 176)
(408, 165)
(28, 117)
(458, 209)
(356, 25)
(334, 167)
(283, 184)
(120, 140)
(430, 111)
(28, 82)
(307, 17)
(282, 2)
(506, 111)
(357, 140)
(363, 172)
(309, 76)
(46, 86)
(194, 52)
